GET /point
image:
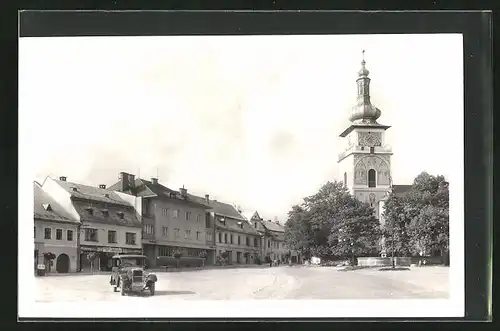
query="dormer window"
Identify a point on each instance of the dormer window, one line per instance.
(74, 189)
(106, 195)
(90, 210)
(222, 220)
(121, 215)
(105, 212)
(47, 206)
(240, 224)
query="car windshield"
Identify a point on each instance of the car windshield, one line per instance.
(131, 263)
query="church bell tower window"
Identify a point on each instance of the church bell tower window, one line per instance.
(371, 178)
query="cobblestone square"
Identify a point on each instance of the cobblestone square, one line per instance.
(258, 283)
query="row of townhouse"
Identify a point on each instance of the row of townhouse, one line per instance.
(273, 240)
(137, 216)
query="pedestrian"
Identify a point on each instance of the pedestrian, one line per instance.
(270, 263)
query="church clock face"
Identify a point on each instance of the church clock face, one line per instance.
(369, 139)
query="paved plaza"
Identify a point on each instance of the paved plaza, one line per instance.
(284, 282)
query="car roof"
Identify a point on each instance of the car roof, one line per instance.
(129, 256)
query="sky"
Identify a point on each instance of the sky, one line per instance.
(250, 120)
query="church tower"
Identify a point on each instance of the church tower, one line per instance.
(365, 163)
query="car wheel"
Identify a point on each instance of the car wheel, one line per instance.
(152, 288)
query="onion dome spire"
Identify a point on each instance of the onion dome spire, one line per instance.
(364, 112)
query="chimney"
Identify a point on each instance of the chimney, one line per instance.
(131, 180)
(183, 191)
(62, 178)
(154, 181)
(103, 186)
(124, 181)
(207, 198)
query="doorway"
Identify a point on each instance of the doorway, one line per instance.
(62, 263)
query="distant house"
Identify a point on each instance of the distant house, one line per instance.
(234, 235)
(109, 224)
(273, 239)
(55, 231)
(171, 220)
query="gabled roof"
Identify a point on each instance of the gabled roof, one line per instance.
(110, 215)
(146, 188)
(46, 208)
(271, 226)
(400, 190)
(256, 216)
(92, 193)
(232, 224)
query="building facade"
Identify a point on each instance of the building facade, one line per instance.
(55, 231)
(234, 235)
(273, 240)
(171, 220)
(109, 224)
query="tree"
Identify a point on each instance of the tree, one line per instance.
(417, 222)
(177, 255)
(355, 231)
(298, 230)
(395, 228)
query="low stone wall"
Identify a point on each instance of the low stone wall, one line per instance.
(383, 261)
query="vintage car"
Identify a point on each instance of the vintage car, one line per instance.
(129, 274)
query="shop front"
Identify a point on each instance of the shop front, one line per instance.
(100, 260)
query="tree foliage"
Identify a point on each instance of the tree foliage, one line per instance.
(332, 223)
(418, 222)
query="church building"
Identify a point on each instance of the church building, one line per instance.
(366, 161)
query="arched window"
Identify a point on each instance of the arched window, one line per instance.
(345, 178)
(371, 178)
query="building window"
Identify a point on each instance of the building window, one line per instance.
(231, 239)
(225, 238)
(164, 212)
(48, 233)
(35, 232)
(91, 235)
(208, 236)
(220, 237)
(247, 240)
(255, 224)
(69, 235)
(198, 218)
(188, 215)
(372, 150)
(176, 213)
(198, 235)
(148, 229)
(268, 244)
(187, 234)
(176, 233)
(58, 234)
(111, 237)
(90, 211)
(164, 231)
(130, 238)
(371, 178)
(207, 220)
(255, 242)
(239, 240)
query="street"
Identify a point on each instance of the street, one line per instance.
(283, 282)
